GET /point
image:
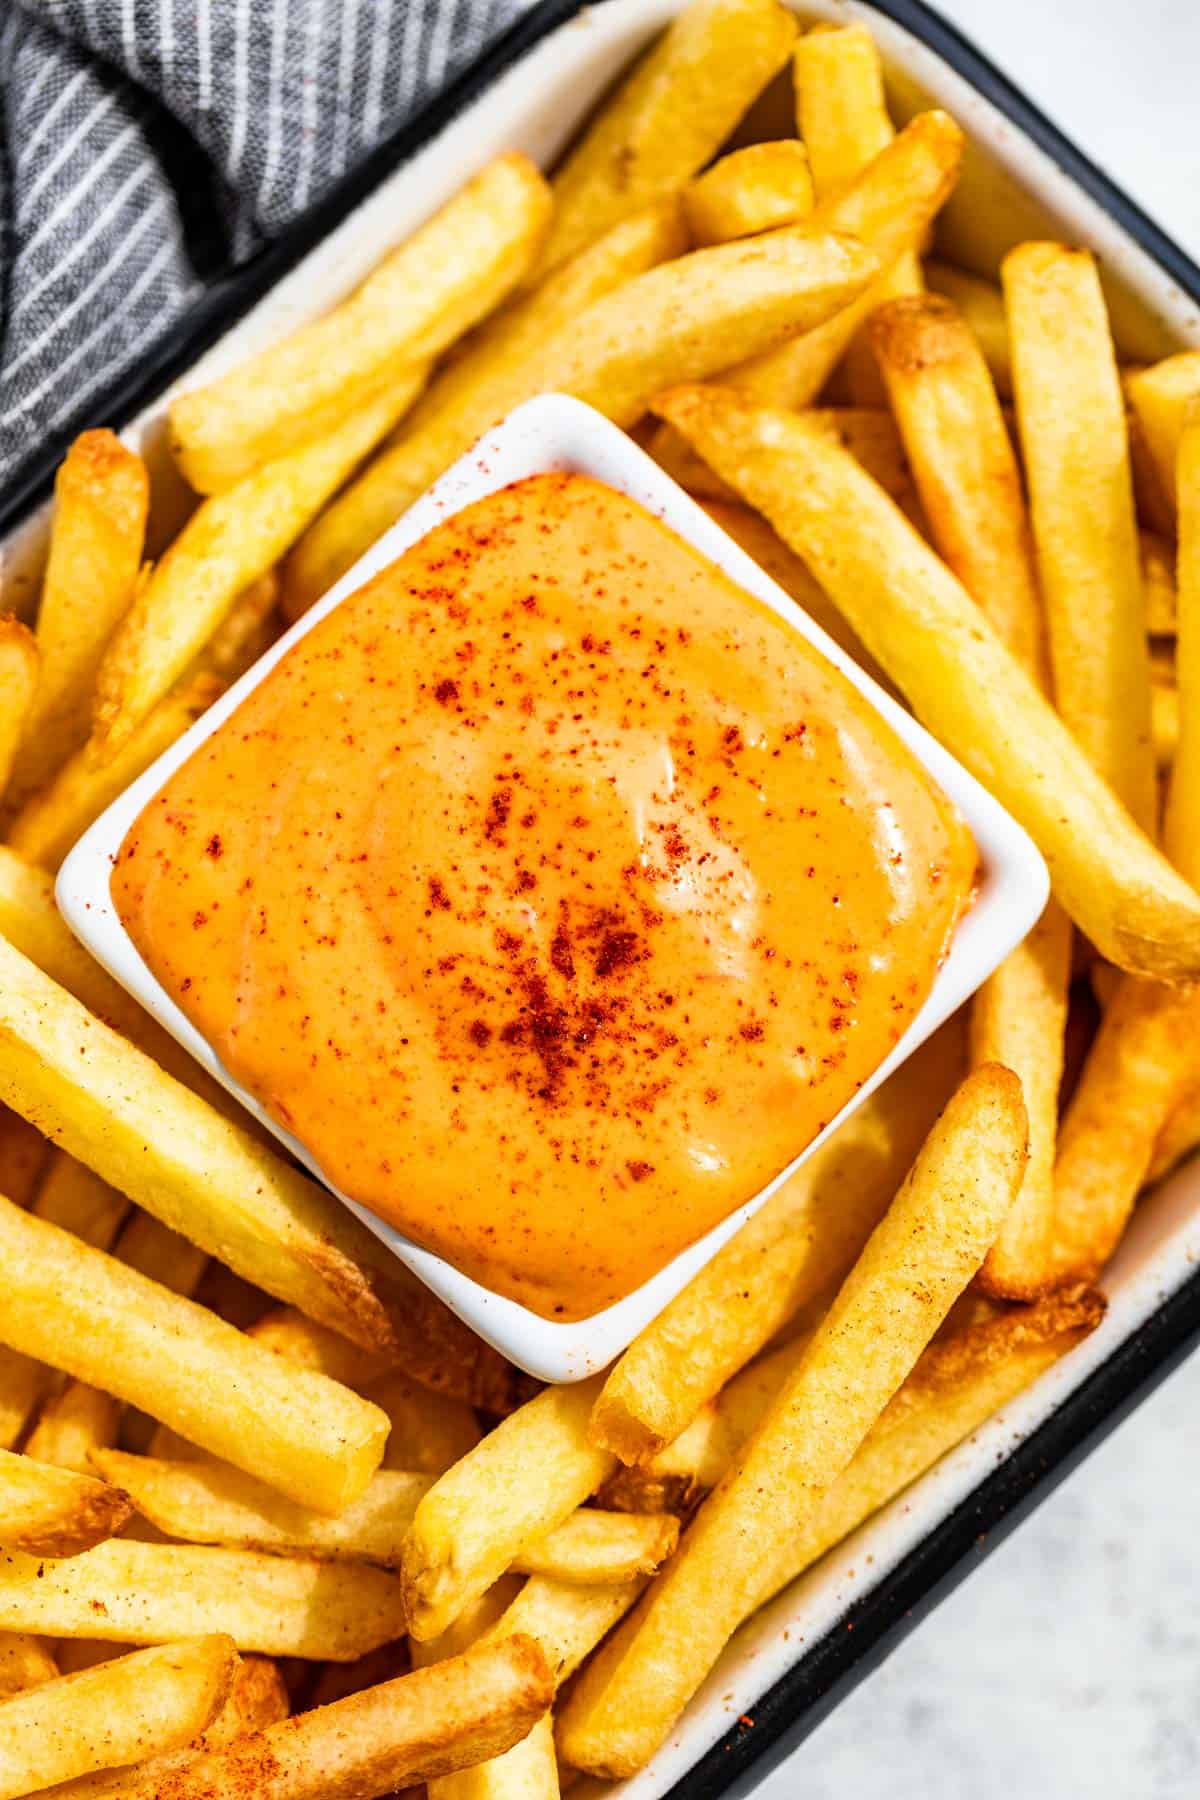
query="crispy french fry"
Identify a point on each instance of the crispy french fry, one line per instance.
(256, 1699)
(915, 1265)
(1160, 397)
(214, 1503)
(696, 312)
(107, 1324)
(420, 1726)
(868, 432)
(195, 1170)
(595, 1549)
(301, 1340)
(101, 497)
(1181, 827)
(799, 1245)
(25, 1662)
(74, 1197)
(843, 119)
(56, 817)
(518, 1484)
(72, 1424)
(966, 473)
(750, 190)
(425, 293)
(1164, 724)
(982, 306)
(474, 389)
(18, 683)
(229, 542)
(889, 207)
(54, 1512)
(24, 1156)
(155, 1700)
(667, 118)
(246, 631)
(1178, 1137)
(430, 1432)
(1158, 583)
(565, 1621)
(1076, 452)
(23, 1381)
(154, 1593)
(956, 672)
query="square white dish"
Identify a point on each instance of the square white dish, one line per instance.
(782, 1673)
(558, 433)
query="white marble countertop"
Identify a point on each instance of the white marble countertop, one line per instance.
(1069, 1663)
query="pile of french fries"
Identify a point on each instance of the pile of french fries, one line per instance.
(272, 1521)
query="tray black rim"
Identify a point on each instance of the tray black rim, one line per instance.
(797, 1703)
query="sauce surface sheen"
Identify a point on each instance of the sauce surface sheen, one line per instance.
(552, 890)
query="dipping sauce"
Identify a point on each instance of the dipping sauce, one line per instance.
(552, 891)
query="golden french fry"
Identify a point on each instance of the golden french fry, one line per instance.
(214, 1503)
(748, 191)
(565, 1621)
(257, 1698)
(889, 207)
(595, 1549)
(160, 1254)
(229, 542)
(140, 1705)
(1158, 583)
(195, 1170)
(956, 672)
(76, 1199)
(982, 306)
(424, 294)
(25, 1662)
(301, 1340)
(18, 683)
(695, 313)
(517, 1484)
(24, 1156)
(1181, 826)
(105, 1323)
(1178, 1137)
(55, 818)
(336, 1680)
(246, 631)
(101, 497)
(154, 1593)
(1164, 724)
(799, 1245)
(1160, 397)
(22, 1384)
(970, 486)
(420, 1726)
(430, 1432)
(1076, 452)
(55, 1512)
(72, 1424)
(844, 121)
(914, 1267)
(667, 118)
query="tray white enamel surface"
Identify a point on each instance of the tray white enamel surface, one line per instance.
(559, 433)
(1015, 188)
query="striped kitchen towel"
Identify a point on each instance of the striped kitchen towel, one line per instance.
(148, 145)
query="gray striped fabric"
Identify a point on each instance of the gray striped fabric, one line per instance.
(147, 144)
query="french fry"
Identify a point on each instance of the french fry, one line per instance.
(336, 1680)
(54, 1512)
(101, 497)
(23, 1381)
(1181, 826)
(517, 1484)
(696, 312)
(106, 1324)
(970, 486)
(1164, 724)
(214, 1503)
(981, 304)
(140, 1705)
(667, 118)
(73, 1197)
(565, 1621)
(256, 1699)
(425, 293)
(72, 1424)
(54, 819)
(915, 1265)
(229, 542)
(956, 672)
(843, 119)
(1178, 1137)
(140, 1593)
(302, 1341)
(246, 631)
(25, 1662)
(1071, 418)
(430, 1432)
(420, 1726)
(1160, 397)
(597, 1549)
(196, 1171)
(1158, 583)
(236, 1301)
(748, 191)
(800, 1244)
(18, 683)
(24, 1157)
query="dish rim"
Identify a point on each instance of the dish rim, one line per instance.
(550, 433)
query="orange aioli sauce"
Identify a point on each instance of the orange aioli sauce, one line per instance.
(552, 891)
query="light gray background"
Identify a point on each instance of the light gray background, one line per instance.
(1068, 1665)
